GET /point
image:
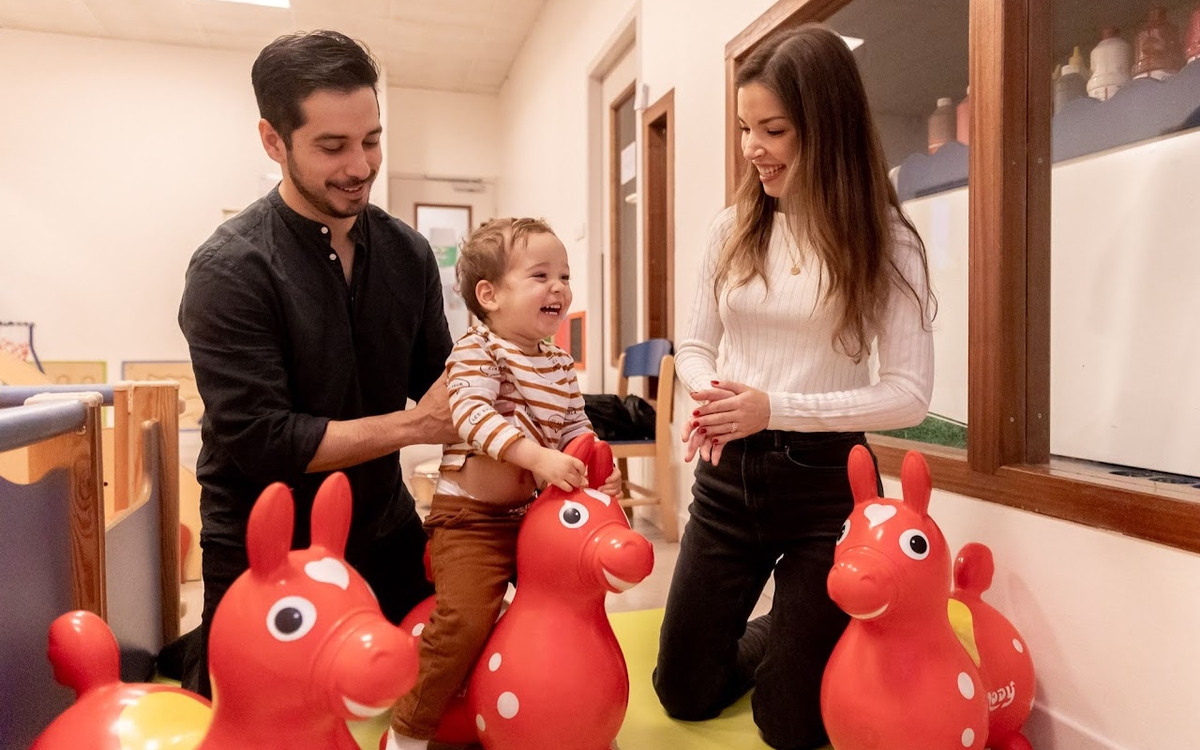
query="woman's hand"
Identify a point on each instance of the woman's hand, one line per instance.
(728, 411)
(694, 436)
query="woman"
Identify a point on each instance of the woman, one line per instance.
(814, 268)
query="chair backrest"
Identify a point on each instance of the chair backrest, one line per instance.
(643, 360)
(651, 359)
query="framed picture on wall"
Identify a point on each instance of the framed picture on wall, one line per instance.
(572, 338)
(445, 226)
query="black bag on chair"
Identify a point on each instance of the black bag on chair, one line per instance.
(616, 419)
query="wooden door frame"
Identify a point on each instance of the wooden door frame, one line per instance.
(660, 115)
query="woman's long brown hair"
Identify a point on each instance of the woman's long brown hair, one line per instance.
(838, 199)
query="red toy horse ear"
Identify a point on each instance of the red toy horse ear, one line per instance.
(914, 479)
(269, 534)
(863, 481)
(331, 514)
(581, 447)
(600, 465)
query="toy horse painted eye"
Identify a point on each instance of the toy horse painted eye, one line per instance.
(573, 515)
(844, 532)
(291, 618)
(915, 544)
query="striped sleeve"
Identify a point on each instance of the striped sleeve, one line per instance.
(473, 375)
(575, 420)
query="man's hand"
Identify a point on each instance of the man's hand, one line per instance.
(432, 413)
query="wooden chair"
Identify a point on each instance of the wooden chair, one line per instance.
(651, 359)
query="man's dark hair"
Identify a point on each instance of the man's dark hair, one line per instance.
(292, 67)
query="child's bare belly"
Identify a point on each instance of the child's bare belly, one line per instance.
(485, 478)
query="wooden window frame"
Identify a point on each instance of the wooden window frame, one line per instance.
(1007, 459)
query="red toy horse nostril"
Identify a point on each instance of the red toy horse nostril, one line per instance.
(364, 666)
(626, 558)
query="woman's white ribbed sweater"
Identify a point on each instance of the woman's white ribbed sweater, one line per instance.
(780, 340)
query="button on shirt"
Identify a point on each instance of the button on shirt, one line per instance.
(281, 345)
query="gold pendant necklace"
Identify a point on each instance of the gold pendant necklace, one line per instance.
(795, 269)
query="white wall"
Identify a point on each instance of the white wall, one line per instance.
(443, 134)
(116, 162)
(1111, 620)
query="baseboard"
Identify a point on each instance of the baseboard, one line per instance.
(1048, 729)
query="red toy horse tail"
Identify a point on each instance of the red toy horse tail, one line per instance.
(974, 568)
(83, 652)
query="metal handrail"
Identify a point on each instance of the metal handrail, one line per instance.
(22, 426)
(15, 395)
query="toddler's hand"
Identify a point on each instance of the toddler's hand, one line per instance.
(612, 485)
(557, 468)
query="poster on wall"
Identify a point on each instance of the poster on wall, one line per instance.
(445, 226)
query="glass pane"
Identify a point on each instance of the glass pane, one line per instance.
(1125, 238)
(914, 61)
(625, 287)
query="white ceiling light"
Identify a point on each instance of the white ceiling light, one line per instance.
(852, 42)
(266, 3)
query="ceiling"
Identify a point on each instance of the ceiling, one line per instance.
(448, 45)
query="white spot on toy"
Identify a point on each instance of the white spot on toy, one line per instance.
(480, 724)
(494, 662)
(328, 570)
(418, 629)
(1017, 645)
(966, 685)
(598, 495)
(877, 513)
(507, 705)
(968, 737)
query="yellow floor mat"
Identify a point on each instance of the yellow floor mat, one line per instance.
(646, 726)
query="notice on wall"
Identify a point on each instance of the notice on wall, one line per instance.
(629, 162)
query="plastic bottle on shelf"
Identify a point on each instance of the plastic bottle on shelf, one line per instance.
(1072, 82)
(1111, 61)
(942, 124)
(1193, 37)
(1158, 52)
(963, 120)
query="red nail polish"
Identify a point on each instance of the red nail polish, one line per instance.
(716, 382)
(703, 431)
(696, 413)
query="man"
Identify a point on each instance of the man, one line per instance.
(311, 317)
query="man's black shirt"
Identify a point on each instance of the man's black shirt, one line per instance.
(281, 345)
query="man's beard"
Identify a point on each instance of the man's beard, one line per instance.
(318, 200)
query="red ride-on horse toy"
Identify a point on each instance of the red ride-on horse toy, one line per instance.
(552, 675)
(298, 647)
(903, 677)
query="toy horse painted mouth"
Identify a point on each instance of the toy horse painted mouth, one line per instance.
(618, 584)
(869, 615)
(362, 711)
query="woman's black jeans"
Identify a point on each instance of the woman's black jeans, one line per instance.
(776, 502)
